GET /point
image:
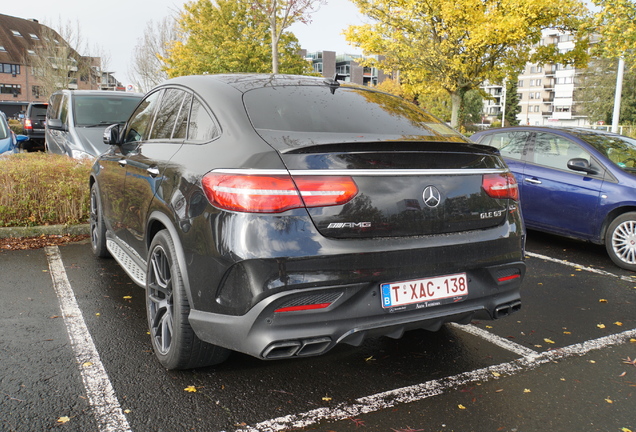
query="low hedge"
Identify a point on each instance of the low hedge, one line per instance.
(43, 189)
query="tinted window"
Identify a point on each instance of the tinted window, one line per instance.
(139, 124)
(54, 107)
(201, 127)
(38, 111)
(345, 110)
(168, 113)
(64, 109)
(510, 143)
(108, 109)
(555, 151)
(181, 127)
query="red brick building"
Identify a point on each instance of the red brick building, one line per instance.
(19, 42)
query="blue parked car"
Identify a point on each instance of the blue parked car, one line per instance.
(574, 182)
(8, 140)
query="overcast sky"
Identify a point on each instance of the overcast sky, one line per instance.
(114, 26)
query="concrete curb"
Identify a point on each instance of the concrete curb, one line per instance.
(36, 231)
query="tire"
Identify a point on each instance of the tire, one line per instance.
(173, 340)
(620, 241)
(97, 226)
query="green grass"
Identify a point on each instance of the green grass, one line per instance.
(43, 189)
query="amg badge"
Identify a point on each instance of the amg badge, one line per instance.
(350, 225)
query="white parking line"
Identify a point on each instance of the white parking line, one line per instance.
(497, 340)
(578, 266)
(100, 392)
(418, 392)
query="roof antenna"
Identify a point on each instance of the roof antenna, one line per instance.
(333, 82)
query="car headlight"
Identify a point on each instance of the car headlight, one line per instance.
(78, 154)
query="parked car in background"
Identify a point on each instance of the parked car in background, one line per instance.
(281, 215)
(574, 182)
(9, 141)
(76, 119)
(34, 122)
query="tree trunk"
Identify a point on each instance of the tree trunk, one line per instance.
(456, 104)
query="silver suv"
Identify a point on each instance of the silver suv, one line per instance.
(76, 119)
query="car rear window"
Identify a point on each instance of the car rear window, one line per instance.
(339, 110)
(38, 111)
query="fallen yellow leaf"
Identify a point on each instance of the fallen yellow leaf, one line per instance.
(592, 361)
(626, 430)
(97, 314)
(191, 389)
(496, 374)
(567, 332)
(601, 326)
(127, 411)
(609, 401)
(87, 364)
(460, 406)
(63, 420)
(632, 340)
(527, 391)
(326, 398)
(618, 323)
(127, 297)
(550, 341)
(602, 301)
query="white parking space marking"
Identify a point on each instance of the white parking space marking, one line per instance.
(100, 392)
(497, 340)
(418, 392)
(578, 266)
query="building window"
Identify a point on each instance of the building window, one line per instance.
(520, 96)
(318, 67)
(536, 108)
(9, 68)
(2, 49)
(520, 83)
(14, 89)
(16, 33)
(31, 52)
(561, 109)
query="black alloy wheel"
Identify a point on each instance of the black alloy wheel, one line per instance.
(174, 342)
(97, 227)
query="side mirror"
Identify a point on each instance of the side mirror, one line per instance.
(112, 135)
(582, 165)
(56, 124)
(21, 138)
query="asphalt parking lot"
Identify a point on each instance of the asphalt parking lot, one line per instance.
(76, 357)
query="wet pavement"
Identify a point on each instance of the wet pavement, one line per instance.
(557, 365)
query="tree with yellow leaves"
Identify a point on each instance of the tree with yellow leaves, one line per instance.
(456, 45)
(616, 25)
(228, 36)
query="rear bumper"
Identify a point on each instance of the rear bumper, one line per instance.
(355, 314)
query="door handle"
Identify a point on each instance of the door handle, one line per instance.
(153, 171)
(533, 180)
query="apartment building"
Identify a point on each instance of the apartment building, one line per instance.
(545, 92)
(19, 83)
(328, 63)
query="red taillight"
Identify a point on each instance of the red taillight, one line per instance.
(276, 193)
(28, 124)
(502, 186)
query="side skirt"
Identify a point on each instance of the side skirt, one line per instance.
(129, 260)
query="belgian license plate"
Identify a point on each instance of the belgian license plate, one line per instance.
(426, 292)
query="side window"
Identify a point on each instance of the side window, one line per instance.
(140, 122)
(181, 127)
(167, 115)
(201, 126)
(555, 151)
(64, 109)
(510, 144)
(53, 111)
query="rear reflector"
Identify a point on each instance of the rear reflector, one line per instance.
(28, 124)
(276, 193)
(507, 278)
(303, 307)
(502, 186)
